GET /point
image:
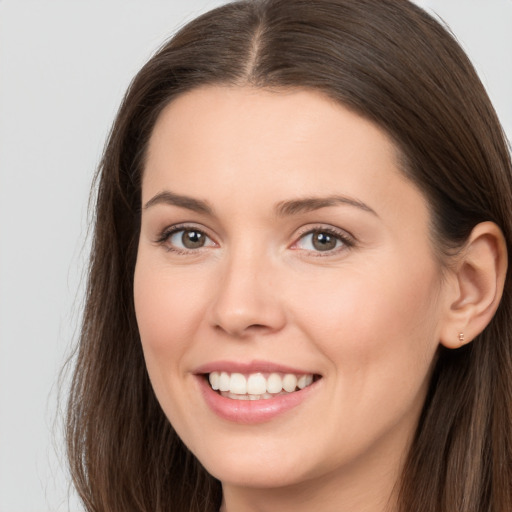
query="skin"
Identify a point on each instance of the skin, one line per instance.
(367, 315)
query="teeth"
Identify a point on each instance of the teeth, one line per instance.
(289, 382)
(256, 386)
(224, 381)
(304, 381)
(214, 380)
(274, 383)
(264, 396)
(238, 384)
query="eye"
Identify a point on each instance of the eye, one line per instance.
(322, 240)
(186, 239)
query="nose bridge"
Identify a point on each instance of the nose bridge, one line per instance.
(247, 299)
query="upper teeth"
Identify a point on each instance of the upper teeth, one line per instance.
(258, 383)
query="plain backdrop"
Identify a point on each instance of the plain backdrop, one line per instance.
(64, 66)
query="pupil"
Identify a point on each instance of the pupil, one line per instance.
(193, 239)
(323, 242)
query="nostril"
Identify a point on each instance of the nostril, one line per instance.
(245, 330)
(258, 327)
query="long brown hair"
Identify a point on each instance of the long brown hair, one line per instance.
(394, 64)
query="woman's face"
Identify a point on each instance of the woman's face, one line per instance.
(284, 255)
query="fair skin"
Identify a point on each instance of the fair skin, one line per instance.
(238, 270)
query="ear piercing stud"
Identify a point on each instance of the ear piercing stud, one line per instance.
(461, 337)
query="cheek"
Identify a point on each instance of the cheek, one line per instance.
(373, 320)
(168, 307)
(379, 333)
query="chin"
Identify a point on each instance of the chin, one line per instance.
(255, 474)
(264, 463)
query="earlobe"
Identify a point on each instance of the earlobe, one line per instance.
(478, 285)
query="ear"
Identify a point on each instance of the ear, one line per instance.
(477, 285)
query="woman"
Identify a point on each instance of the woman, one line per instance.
(298, 294)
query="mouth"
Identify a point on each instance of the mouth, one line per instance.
(256, 391)
(258, 386)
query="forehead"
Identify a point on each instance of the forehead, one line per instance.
(222, 143)
(248, 109)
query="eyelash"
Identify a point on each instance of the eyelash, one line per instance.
(166, 234)
(347, 240)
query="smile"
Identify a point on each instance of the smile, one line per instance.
(256, 391)
(257, 386)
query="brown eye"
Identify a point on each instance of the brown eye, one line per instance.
(187, 240)
(192, 239)
(322, 241)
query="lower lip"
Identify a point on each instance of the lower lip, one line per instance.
(252, 411)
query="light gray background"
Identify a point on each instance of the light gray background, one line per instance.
(64, 66)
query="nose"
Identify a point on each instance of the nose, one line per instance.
(248, 299)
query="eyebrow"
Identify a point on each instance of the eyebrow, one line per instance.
(309, 204)
(170, 198)
(283, 208)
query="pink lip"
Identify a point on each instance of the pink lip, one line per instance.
(248, 367)
(250, 411)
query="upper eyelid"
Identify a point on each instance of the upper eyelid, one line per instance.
(163, 240)
(348, 241)
(342, 233)
(165, 233)
(187, 226)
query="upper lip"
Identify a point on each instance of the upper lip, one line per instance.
(254, 366)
